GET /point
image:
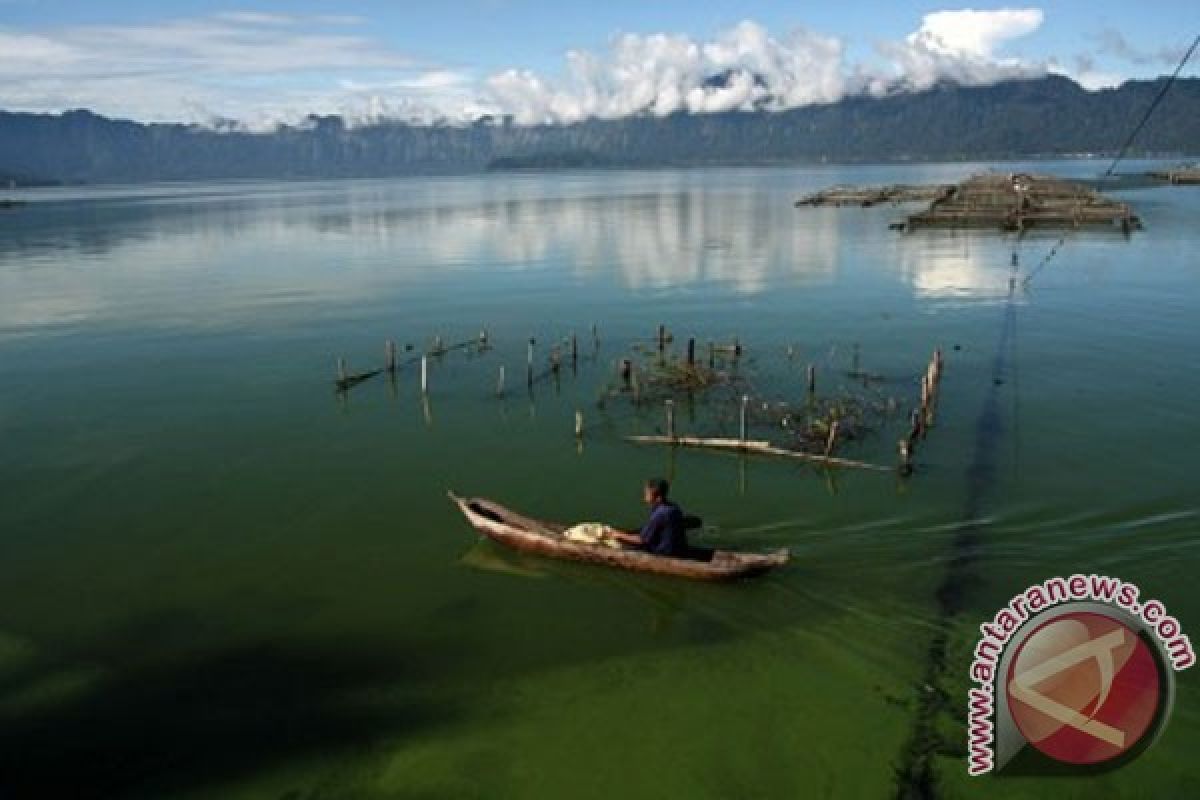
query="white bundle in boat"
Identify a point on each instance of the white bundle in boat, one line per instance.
(592, 533)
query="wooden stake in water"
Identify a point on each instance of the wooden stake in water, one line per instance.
(555, 359)
(712, 355)
(500, 381)
(578, 424)
(529, 363)
(833, 432)
(745, 406)
(424, 374)
(691, 353)
(662, 338)
(626, 372)
(812, 378)
(574, 349)
(906, 466)
(341, 370)
(595, 336)
(389, 355)
(670, 408)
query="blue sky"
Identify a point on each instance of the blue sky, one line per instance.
(264, 62)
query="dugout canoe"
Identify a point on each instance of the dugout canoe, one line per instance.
(530, 535)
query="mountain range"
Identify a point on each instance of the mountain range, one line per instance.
(1047, 116)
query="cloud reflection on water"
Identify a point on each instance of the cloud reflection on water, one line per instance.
(180, 257)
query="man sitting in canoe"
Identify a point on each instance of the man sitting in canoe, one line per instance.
(665, 532)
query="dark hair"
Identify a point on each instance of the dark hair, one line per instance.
(659, 486)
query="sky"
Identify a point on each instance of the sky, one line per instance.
(259, 64)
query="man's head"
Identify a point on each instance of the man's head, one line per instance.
(655, 490)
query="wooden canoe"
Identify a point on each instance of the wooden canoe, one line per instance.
(545, 538)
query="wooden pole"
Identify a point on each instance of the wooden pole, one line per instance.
(500, 381)
(833, 432)
(742, 426)
(626, 371)
(754, 446)
(483, 338)
(555, 359)
(595, 336)
(712, 355)
(662, 338)
(438, 348)
(812, 378)
(578, 424)
(529, 363)
(424, 374)
(574, 349)
(341, 370)
(691, 353)
(670, 408)
(906, 466)
(633, 379)
(389, 355)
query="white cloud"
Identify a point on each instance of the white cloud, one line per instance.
(259, 68)
(741, 69)
(263, 68)
(960, 46)
(746, 68)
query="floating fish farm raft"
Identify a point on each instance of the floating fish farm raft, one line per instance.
(1007, 201)
(1189, 175)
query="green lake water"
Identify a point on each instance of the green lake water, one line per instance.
(218, 578)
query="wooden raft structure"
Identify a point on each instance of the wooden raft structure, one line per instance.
(1019, 201)
(1187, 175)
(867, 196)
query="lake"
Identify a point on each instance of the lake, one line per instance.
(221, 578)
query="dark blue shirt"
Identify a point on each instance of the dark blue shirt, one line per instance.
(664, 532)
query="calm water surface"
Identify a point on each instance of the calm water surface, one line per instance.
(219, 579)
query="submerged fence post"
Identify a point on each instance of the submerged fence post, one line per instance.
(578, 424)
(574, 350)
(670, 409)
(626, 372)
(745, 406)
(500, 381)
(691, 353)
(341, 370)
(529, 363)
(389, 355)
(812, 378)
(424, 374)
